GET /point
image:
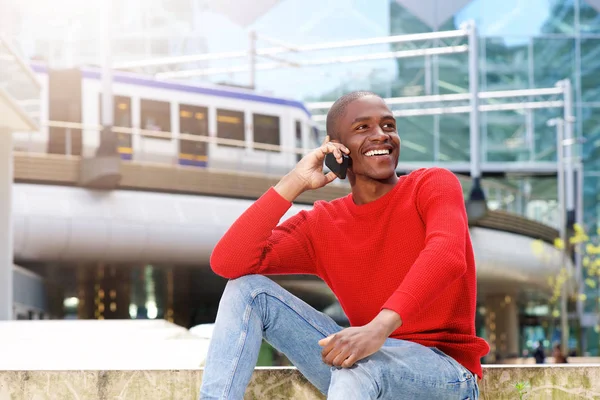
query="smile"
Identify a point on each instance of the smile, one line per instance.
(377, 153)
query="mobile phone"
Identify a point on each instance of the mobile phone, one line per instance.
(339, 169)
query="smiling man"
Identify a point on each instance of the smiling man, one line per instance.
(397, 254)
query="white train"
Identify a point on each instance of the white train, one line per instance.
(142, 102)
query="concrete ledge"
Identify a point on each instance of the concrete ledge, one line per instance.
(565, 381)
(269, 383)
(544, 382)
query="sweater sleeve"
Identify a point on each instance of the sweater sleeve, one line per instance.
(256, 244)
(440, 202)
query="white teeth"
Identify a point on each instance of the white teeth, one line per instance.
(376, 152)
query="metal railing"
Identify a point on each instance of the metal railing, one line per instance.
(19, 81)
(266, 159)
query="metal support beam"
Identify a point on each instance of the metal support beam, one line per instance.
(252, 59)
(103, 170)
(579, 220)
(562, 228)
(316, 62)
(417, 37)
(108, 139)
(569, 174)
(6, 226)
(474, 102)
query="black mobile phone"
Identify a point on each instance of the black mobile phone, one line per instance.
(339, 169)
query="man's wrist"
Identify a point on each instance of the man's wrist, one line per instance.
(386, 322)
(290, 187)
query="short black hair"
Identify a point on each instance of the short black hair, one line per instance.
(338, 109)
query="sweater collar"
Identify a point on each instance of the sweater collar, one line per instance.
(373, 206)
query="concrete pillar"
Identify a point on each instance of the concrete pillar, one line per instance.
(502, 323)
(6, 228)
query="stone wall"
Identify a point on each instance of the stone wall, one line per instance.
(543, 382)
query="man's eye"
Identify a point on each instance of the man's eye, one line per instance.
(390, 126)
(361, 127)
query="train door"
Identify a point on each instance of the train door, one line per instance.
(193, 120)
(121, 119)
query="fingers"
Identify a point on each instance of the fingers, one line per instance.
(330, 177)
(336, 351)
(349, 362)
(341, 357)
(326, 353)
(339, 354)
(335, 148)
(324, 341)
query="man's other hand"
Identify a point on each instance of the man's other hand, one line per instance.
(350, 345)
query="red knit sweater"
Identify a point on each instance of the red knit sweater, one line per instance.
(408, 251)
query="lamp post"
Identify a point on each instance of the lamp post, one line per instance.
(559, 123)
(476, 204)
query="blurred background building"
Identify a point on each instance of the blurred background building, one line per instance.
(523, 44)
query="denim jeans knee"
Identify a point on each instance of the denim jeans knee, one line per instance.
(246, 287)
(248, 283)
(352, 383)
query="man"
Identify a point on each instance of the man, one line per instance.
(397, 254)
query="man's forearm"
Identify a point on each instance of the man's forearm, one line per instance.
(290, 187)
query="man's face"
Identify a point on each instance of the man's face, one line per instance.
(368, 129)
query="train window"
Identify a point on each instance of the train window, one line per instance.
(156, 116)
(298, 139)
(266, 129)
(121, 119)
(193, 120)
(230, 125)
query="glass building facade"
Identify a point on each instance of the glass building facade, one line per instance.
(523, 45)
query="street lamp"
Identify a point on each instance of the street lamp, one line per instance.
(476, 205)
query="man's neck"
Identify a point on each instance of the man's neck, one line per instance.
(365, 190)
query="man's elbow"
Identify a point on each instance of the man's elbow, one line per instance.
(457, 265)
(223, 268)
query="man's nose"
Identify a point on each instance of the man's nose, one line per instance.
(379, 134)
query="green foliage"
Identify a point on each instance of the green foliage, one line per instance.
(522, 389)
(589, 248)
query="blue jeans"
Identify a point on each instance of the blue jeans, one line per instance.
(254, 307)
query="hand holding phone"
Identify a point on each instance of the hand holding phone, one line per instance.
(338, 169)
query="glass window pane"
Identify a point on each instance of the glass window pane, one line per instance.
(590, 70)
(545, 134)
(454, 138)
(506, 136)
(121, 119)
(561, 17)
(230, 125)
(505, 66)
(591, 132)
(452, 73)
(518, 19)
(553, 60)
(266, 129)
(591, 200)
(298, 130)
(589, 17)
(193, 120)
(156, 116)
(416, 135)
